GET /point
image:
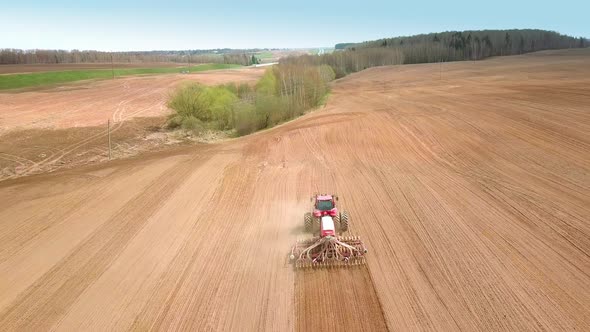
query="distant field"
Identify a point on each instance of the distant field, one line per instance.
(42, 67)
(265, 55)
(18, 81)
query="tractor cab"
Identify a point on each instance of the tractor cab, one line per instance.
(325, 206)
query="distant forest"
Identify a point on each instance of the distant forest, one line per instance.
(437, 47)
(473, 45)
(233, 56)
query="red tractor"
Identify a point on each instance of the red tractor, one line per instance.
(327, 248)
(325, 205)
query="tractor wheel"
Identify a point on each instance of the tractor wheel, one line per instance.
(344, 221)
(308, 221)
(336, 219)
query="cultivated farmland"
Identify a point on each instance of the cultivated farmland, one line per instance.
(469, 183)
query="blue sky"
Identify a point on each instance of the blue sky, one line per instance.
(155, 25)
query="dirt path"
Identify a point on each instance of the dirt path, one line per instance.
(472, 194)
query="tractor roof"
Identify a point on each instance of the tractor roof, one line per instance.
(324, 197)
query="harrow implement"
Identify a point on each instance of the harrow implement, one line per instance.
(329, 251)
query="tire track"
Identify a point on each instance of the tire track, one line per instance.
(329, 299)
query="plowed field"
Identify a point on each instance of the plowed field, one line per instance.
(470, 186)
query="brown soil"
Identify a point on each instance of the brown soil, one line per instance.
(472, 193)
(34, 151)
(348, 300)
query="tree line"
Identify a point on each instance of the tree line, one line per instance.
(436, 47)
(228, 56)
(349, 61)
(285, 91)
(473, 45)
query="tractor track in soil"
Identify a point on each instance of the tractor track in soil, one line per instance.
(348, 298)
(472, 194)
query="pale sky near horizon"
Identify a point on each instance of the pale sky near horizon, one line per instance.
(109, 25)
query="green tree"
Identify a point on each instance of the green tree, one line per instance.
(267, 85)
(212, 105)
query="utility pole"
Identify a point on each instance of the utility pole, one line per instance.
(441, 69)
(189, 62)
(109, 134)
